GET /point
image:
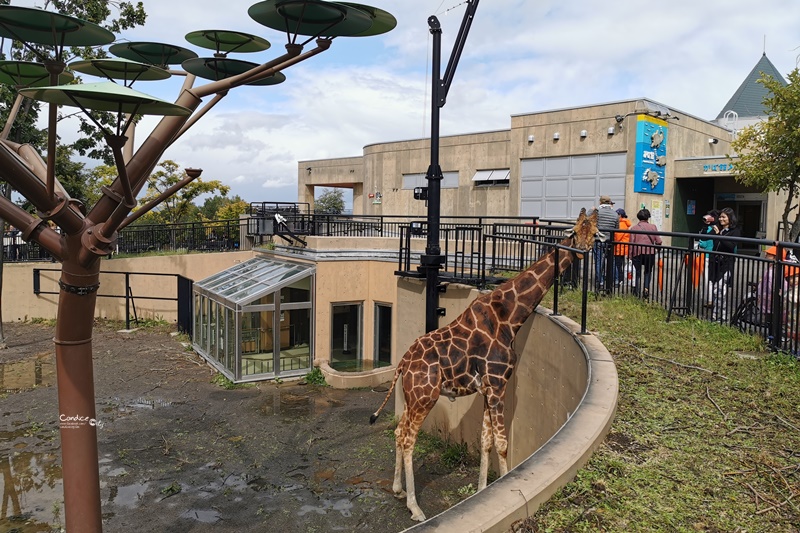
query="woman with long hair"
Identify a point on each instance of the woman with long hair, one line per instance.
(720, 270)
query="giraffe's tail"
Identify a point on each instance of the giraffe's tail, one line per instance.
(397, 373)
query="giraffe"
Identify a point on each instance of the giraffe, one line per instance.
(472, 354)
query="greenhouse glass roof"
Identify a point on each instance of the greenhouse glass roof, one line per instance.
(249, 281)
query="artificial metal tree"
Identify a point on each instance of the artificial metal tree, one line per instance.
(87, 233)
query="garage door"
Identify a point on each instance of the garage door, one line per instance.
(558, 187)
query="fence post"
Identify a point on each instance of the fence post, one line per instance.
(482, 262)
(127, 300)
(37, 281)
(556, 282)
(584, 294)
(776, 324)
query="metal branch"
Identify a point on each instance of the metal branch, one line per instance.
(33, 229)
(198, 115)
(191, 175)
(19, 173)
(12, 116)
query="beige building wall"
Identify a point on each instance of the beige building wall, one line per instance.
(381, 167)
(358, 281)
(19, 302)
(346, 172)
(688, 137)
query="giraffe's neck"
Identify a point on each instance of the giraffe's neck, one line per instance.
(532, 284)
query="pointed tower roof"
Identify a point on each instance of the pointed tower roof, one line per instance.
(748, 99)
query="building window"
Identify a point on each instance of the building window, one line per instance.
(346, 320)
(411, 181)
(383, 335)
(488, 178)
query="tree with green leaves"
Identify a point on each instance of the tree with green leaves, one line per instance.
(180, 206)
(330, 201)
(222, 207)
(768, 152)
(232, 209)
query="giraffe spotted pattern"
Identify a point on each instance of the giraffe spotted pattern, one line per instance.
(475, 354)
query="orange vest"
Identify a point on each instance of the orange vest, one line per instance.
(621, 238)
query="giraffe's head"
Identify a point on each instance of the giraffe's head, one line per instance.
(585, 231)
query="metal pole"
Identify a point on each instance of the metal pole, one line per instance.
(431, 261)
(75, 374)
(127, 300)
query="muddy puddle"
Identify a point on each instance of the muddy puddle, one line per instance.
(29, 373)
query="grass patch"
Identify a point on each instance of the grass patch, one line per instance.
(706, 435)
(450, 455)
(315, 377)
(43, 321)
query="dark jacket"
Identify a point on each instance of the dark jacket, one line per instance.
(721, 263)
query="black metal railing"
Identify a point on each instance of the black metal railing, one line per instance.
(207, 236)
(15, 249)
(182, 297)
(679, 277)
(263, 222)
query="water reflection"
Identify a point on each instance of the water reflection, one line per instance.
(291, 405)
(36, 371)
(32, 489)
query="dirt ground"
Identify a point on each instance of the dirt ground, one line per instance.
(179, 453)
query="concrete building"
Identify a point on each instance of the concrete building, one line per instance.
(550, 164)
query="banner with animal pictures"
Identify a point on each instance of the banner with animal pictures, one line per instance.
(651, 155)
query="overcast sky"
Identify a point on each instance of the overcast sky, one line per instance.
(521, 56)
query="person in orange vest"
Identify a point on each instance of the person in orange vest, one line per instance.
(621, 248)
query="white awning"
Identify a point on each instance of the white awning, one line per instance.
(486, 175)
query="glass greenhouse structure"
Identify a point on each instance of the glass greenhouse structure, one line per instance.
(254, 320)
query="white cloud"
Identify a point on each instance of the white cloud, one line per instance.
(520, 56)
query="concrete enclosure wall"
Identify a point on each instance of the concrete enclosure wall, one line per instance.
(19, 302)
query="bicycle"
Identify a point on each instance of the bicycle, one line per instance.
(748, 314)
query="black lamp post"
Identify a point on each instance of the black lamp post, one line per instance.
(431, 262)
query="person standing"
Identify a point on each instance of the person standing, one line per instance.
(607, 222)
(621, 247)
(709, 219)
(643, 252)
(721, 263)
(767, 286)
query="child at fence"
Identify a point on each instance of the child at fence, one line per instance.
(709, 219)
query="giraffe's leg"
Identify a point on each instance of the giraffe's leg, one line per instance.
(411, 493)
(486, 446)
(397, 486)
(496, 402)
